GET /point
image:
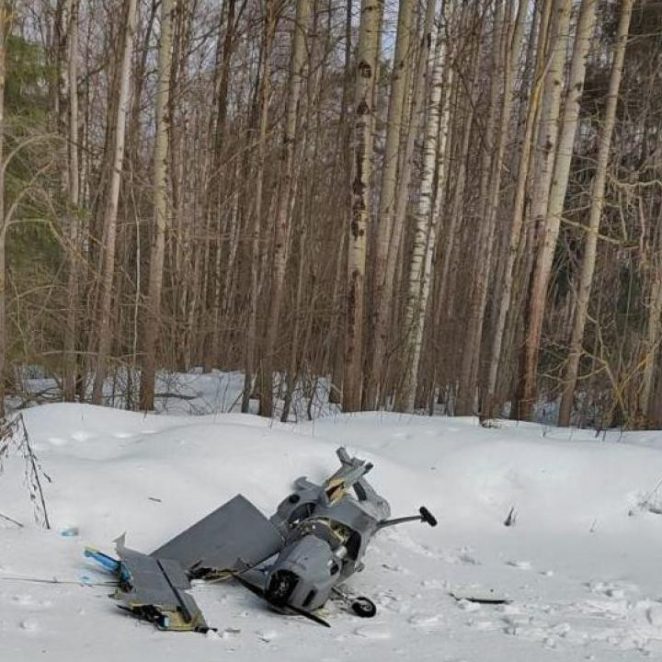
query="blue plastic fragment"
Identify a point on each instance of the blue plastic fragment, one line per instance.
(105, 561)
(109, 563)
(69, 532)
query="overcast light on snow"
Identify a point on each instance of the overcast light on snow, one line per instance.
(581, 566)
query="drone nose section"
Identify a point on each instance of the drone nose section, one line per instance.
(302, 576)
(281, 586)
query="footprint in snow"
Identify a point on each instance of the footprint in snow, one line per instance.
(423, 620)
(522, 565)
(267, 635)
(81, 436)
(373, 632)
(654, 616)
(465, 558)
(386, 601)
(607, 609)
(412, 545)
(124, 435)
(484, 626)
(467, 605)
(615, 590)
(396, 568)
(434, 584)
(29, 625)
(462, 556)
(28, 601)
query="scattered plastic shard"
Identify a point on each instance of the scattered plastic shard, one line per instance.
(69, 532)
(107, 562)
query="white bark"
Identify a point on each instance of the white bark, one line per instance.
(425, 233)
(385, 307)
(160, 209)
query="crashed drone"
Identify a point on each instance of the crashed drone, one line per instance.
(296, 560)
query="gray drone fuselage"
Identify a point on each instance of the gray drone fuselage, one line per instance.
(325, 537)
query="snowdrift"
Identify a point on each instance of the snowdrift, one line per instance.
(580, 563)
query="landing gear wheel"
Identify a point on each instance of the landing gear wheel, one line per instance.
(364, 607)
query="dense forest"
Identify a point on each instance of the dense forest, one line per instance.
(430, 205)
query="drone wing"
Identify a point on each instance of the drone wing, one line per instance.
(235, 536)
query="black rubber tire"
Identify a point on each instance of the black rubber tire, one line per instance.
(364, 607)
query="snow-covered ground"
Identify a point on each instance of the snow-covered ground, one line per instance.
(581, 565)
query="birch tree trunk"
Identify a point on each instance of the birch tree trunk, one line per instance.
(425, 379)
(386, 308)
(427, 215)
(160, 211)
(569, 123)
(104, 321)
(282, 222)
(595, 214)
(73, 292)
(368, 46)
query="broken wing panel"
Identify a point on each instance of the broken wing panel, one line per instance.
(234, 536)
(155, 589)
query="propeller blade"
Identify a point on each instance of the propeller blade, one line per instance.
(308, 614)
(296, 610)
(249, 585)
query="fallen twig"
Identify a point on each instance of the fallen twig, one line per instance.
(35, 471)
(12, 520)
